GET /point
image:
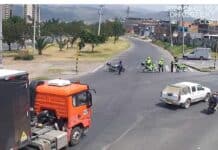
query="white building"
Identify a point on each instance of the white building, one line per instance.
(6, 11)
(31, 12)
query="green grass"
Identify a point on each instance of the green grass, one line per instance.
(105, 51)
(12, 53)
(55, 70)
(41, 78)
(176, 50)
(213, 54)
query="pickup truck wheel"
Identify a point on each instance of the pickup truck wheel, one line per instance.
(75, 136)
(207, 97)
(185, 57)
(187, 104)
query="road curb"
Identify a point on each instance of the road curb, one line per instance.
(198, 69)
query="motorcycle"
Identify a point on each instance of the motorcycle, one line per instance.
(114, 68)
(212, 105)
(180, 67)
(146, 68)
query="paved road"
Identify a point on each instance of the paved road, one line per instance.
(129, 116)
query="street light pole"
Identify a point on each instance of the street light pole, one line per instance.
(215, 55)
(171, 38)
(39, 15)
(183, 39)
(99, 22)
(34, 35)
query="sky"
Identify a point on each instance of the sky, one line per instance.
(197, 11)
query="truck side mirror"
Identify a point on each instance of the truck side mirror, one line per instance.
(89, 99)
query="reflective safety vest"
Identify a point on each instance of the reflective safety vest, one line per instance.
(161, 62)
(148, 62)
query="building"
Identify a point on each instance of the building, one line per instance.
(6, 11)
(31, 12)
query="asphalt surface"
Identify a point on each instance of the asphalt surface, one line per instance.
(129, 116)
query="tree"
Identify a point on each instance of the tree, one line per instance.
(81, 44)
(118, 29)
(41, 43)
(61, 43)
(13, 30)
(73, 40)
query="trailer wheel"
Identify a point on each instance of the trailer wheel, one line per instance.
(75, 136)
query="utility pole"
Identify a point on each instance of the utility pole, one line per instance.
(127, 12)
(215, 55)
(34, 35)
(1, 37)
(183, 30)
(100, 13)
(171, 38)
(183, 39)
(39, 15)
(34, 29)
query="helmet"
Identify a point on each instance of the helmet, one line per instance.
(149, 57)
(161, 59)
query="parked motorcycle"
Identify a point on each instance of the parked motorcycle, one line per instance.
(114, 68)
(180, 67)
(145, 68)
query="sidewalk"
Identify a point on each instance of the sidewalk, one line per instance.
(201, 65)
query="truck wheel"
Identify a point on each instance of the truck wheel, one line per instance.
(187, 104)
(185, 57)
(201, 58)
(207, 97)
(75, 136)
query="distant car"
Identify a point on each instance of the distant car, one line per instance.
(184, 93)
(199, 53)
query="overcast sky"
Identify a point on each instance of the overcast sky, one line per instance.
(197, 11)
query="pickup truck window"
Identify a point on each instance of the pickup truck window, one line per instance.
(185, 91)
(193, 89)
(200, 88)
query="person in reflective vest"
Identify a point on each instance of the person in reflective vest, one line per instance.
(148, 63)
(161, 65)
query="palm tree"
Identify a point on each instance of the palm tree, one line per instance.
(61, 43)
(41, 43)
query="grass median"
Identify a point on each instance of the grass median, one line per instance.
(55, 62)
(175, 50)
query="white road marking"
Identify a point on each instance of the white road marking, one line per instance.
(139, 119)
(96, 69)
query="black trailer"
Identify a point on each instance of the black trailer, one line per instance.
(14, 109)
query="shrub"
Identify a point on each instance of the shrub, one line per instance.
(23, 55)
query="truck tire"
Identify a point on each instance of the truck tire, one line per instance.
(187, 104)
(207, 97)
(75, 136)
(185, 57)
(201, 58)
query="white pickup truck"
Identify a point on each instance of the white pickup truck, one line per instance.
(184, 93)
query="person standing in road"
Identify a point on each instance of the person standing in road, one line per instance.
(161, 65)
(172, 65)
(120, 67)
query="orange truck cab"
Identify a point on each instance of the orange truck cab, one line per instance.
(70, 104)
